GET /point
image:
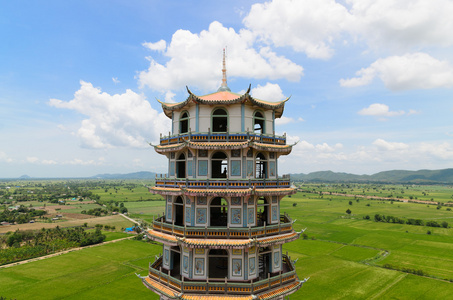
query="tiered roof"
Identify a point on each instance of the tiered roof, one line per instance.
(224, 98)
(286, 149)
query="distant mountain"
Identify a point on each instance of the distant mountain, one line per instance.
(136, 175)
(395, 176)
(24, 177)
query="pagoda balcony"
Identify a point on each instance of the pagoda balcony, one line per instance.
(225, 232)
(223, 137)
(285, 280)
(280, 182)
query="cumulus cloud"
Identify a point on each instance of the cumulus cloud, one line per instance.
(389, 146)
(195, 59)
(380, 110)
(32, 159)
(305, 26)
(115, 80)
(269, 92)
(157, 46)
(410, 71)
(403, 24)
(126, 120)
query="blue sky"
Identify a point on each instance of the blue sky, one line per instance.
(370, 80)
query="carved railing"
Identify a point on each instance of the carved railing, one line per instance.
(285, 226)
(223, 137)
(221, 286)
(280, 182)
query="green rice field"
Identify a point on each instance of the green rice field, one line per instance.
(345, 255)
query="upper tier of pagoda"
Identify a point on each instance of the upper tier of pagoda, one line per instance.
(223, 98)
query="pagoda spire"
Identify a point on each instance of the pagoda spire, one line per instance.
(224, 87)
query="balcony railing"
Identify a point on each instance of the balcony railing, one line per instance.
(285, 226)
(221, 286)
(280, 182)
(223, 137)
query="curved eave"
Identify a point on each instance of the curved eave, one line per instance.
(284, 149)
(280, 292)
(218, 243)
(224, 98)
(160, 288)
(222, 192)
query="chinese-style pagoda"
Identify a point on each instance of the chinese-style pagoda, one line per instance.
(222, 231)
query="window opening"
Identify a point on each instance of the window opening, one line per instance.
(179, 211)
(219, 212)
(262, 211)
(260, 166)
(219, 165)
(219, 120)
(184, 123)
(258, 122)
(181, 166)
(218, 263)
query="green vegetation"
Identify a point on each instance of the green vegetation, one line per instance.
(21, 245)
(346, 255)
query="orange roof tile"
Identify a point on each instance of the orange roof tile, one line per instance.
(215, 297)
(220, 96)
(159, 287)
(281, 291)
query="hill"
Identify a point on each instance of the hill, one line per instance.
(394, 176)
(136, 175)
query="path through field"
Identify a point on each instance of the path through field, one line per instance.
(62, 252)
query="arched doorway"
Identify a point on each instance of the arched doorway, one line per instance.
(260, 166)
(179, 211)
(258, 122)
(218, 210)
(219, 165)
(219, 120)
(262, 208)
(218, 263)
(181, 166)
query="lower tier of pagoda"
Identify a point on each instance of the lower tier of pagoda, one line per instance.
(273, 286)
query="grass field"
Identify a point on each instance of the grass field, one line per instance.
(344, 255)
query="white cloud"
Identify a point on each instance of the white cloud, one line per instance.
(4, 157)
(48, 162)
(115, 80)
(195, 60)
(403, 24)
(380, 110)
(383, 145)
(32, 159)
(410, 71)
(114, 120)
(443, 150)
(306, 26)
(283, 120)
(157, 46)
(269, 92)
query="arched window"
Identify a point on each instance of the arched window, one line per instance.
(218, 212)
(219, 165)
(219, 120)
(184, 122)
(260, 166)
(218, 263)
(258, 122)
(181, 166)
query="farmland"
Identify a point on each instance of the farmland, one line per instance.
(345, 255)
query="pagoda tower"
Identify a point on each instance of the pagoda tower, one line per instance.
(222, 230)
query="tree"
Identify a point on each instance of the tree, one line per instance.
(348, 211)
(350, 202)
